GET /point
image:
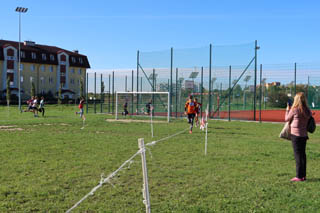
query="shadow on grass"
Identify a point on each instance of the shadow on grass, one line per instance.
(313, 179)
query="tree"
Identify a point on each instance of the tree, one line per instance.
(60, 94)
(8, 91)
(81, 88)
(33, 89)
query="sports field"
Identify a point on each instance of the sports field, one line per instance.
(48, 164)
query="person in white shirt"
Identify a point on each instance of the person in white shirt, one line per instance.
(35, 106)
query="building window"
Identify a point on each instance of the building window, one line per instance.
(72, 70)
(78, 81)
(21, 79)
(44, 57)
(32, 67)
(10, 65)
(10, 52)
(21, 67)
(71, 81)
(73, 59)
(22, 54)
(51, 57)
(62, 58)
(42, 80)
(43, 68)
(51, 68)
(79, 71)
(31, 79)
(50, 80)
(33, 55)
(80, 60)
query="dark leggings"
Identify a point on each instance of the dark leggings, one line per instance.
(190, 120)
(299, 150)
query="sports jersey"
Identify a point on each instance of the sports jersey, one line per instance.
(190, 107)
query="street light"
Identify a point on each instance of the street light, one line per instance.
(20, 10)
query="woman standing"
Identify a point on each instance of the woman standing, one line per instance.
(298, 116)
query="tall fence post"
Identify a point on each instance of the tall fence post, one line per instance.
(87, 92)
(260, 89)
(176, 95)
(101, 94)
(201, 90)
(171, 67)
(229, 97)
(145, 190)
(153, 88)
(295, 79)
(210, 64)
(138, 63)
(95, 92)
(109, 95)
(112, 92)
(255, 80)
(132, 80)
(125, 84)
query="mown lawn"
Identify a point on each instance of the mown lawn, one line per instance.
(48, 164)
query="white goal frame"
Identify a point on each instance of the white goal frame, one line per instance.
(167, 93)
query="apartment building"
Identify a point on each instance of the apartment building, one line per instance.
(47, 67)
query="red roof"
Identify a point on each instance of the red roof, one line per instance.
(40, 49)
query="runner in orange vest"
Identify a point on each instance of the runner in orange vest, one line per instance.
(190, 110)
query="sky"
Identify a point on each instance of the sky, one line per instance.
(111, 32)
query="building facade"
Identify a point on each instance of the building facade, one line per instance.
(46, 67)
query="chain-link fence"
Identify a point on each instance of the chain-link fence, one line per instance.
(227, 79)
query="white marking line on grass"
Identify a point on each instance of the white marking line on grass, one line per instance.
(107, 179)
(134, 121)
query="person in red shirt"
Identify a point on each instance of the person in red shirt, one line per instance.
(81, 109)
(190, 110)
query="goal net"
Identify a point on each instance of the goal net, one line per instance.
(142, 104)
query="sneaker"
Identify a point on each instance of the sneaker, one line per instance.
(295, 179)
(190, 131)
(304, 178)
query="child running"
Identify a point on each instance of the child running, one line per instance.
(197, 110)
(35, 106)
(81, 111)
(41, 108)
(190, 111)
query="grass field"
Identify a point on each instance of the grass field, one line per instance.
(48, 164)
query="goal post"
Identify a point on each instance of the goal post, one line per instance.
(166, 94)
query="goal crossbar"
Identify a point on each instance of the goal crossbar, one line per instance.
(163, 93)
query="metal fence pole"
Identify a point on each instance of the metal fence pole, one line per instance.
(229, 107)
(87, 91)
(95, 92)
(132, 80)
(109, 95)
(113, 92)
(153, 89)
(201, 90)
(210, 64)
(101, 94)
(176, 95)
(146, 196)
(255, 80)
(295, 79)
(260, 90)
(138, 55)
(171, 67)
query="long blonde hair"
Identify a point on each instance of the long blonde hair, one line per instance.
(300, 103)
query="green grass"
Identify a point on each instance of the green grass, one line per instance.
(52, 163)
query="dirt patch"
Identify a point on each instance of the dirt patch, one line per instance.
(134, 121)
(10, 128)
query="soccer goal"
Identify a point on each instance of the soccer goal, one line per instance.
(142, 104)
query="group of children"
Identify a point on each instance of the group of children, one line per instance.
(33, 106)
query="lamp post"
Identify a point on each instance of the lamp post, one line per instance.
(20, 10)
